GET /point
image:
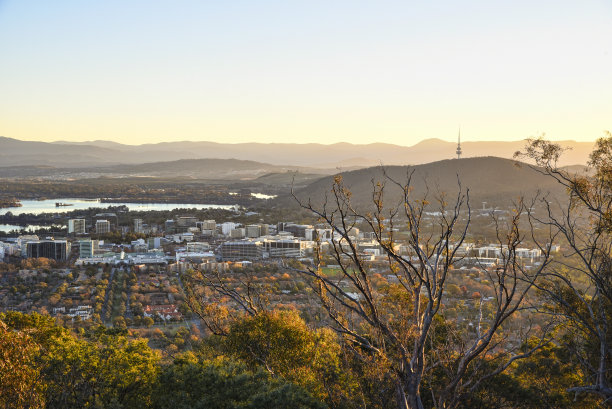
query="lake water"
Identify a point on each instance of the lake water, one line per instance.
(263, 196)
(48, 206)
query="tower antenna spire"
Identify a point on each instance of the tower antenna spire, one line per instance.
(459, 144)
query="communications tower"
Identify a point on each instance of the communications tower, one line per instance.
(459, 145)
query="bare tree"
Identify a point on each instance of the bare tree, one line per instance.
(579, 284)
(395, 325)
(218, 300)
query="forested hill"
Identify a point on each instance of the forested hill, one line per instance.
(208, 168)
(218, 169)
(497, 181)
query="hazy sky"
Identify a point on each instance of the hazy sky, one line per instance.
(310, 71)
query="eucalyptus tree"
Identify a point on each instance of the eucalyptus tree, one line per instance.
(578, 284)
(400, 327)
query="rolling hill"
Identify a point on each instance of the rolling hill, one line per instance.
(496, 181)
(209, 169)
(222, 169)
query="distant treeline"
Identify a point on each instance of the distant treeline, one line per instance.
(121, 190)
(9, 202)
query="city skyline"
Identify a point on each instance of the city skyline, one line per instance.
(393, 72)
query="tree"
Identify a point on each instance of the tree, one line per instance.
(19, 376)
(395, 325)
(277, 341)
(208, 293)
(281, 343)
(147, 322)
(104, 370)
(193, 383)
(538, 382)
(578, 285)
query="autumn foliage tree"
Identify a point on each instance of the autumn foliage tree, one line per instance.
(59, 370)
(19, 375)
(245, 327)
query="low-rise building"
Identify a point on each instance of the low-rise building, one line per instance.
(240, 250)
(195, 257)
(84, 312)
(186, 221)
(290, 248)
(238, 233)
(166, 312)
(297, 230)
(150, 258)
(181, 237)
(198, 246)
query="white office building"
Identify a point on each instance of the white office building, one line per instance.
(102, 226)
(137, 225)
(76, 226)
(227, 227)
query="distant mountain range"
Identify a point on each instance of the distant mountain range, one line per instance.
(15, 152)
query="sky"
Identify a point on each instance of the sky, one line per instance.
(311, 71)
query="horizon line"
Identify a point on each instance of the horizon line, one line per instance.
(67, 142)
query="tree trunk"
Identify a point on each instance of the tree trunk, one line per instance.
(410, 400)
(414, 402)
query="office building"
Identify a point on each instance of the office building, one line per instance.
(197, 247)
(227, 227)
(53, 249)
(137, 225)
(87, 248)
(238, 233)
(154, 243)
(208, 228)
(169, 226)
(285, 248)
(240, 250)
(298, 230)
(207, 225)
(76, 226)
(102, 226)
(253, 230)
(186, 221)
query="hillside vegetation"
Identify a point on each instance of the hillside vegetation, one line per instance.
(490, 179)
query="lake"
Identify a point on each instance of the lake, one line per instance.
(263, 196)
(48, 206)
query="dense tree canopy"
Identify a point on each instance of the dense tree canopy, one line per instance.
(45, 365)
(221, 384)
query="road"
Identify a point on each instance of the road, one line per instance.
(106, 294)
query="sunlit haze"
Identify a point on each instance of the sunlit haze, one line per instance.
(317, 71)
